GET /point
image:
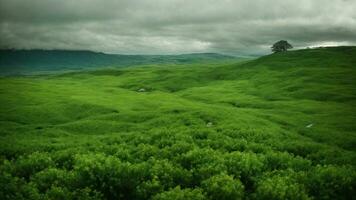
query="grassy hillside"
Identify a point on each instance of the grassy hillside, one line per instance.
(278, 127)
(35, 61)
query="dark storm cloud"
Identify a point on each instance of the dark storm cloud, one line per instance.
(175, 26)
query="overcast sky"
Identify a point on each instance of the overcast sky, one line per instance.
(239, 27)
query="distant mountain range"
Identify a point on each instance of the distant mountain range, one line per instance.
(25, 61)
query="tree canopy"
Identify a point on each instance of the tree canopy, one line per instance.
(281, 46)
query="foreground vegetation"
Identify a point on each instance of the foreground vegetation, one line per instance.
(278, 127)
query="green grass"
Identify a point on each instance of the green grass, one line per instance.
(199, 131)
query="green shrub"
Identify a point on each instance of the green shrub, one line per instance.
(331, 182)
(148, 188)
(86, 194)
(280, 188)
(16, 188)
(223, 187)
(35, 162)
(64, 159)
(162, 175)
(180, 194)
(145, 151)
(246, 166)
(168, 174)
(176, 150)
(108, 175)
(50, 177)
(284, 160)
(58, 193)
(61, 193)
(203, 163)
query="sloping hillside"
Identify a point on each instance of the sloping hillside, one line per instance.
(32, 61)
(278, 127)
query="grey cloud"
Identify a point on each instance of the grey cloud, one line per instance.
(175, 26)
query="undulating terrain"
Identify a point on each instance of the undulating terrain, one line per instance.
(282, 126)
(24, 62)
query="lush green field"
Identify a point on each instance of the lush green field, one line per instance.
(279, 127)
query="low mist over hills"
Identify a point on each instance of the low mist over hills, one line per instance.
(25, 61)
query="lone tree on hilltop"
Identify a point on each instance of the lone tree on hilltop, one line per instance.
(281, 46)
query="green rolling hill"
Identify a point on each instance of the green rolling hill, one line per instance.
(281, 126)
(15, 62)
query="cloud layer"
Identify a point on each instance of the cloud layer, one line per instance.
(240, 27)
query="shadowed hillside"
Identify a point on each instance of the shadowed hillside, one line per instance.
(32, 61)
(278, 127)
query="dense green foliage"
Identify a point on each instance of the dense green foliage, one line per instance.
(281, 46)
(278, 127)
